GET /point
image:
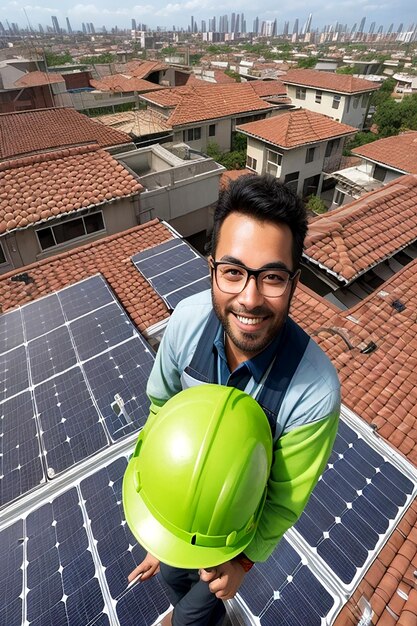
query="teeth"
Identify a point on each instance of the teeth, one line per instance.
(249, 321)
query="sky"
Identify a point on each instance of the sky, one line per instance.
(154, 13)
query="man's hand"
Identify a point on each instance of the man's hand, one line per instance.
(148, 568)
(224, 580)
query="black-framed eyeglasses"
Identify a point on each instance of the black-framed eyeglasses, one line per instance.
(232, 278)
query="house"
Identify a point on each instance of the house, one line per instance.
(342, 97)
(78, 513)
(381, 161)
(295, 147)
(200, 114)
(34, 89)
(350, 251)
(406, 85)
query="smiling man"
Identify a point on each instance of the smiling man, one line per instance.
(241, 335)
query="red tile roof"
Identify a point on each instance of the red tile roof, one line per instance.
(207, 101)
(27, 132)
(399, 152)
(296, 128)
(230, 175)
(37, 188)
(268, 87)
(142, 69)
(380, 387)
(353, 238)
(37, 79)
(111, 257)
(122, 84)
(327, 81)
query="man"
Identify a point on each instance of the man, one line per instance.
(240, 335)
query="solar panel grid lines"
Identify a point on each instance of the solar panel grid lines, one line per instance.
(356, 504)
(174, 270)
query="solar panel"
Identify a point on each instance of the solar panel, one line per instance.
(21, 467)
(11, 330)
(174, 270)
(283, 590)
(11, 574)
(73, 371)
(117, 548)
(354, 504)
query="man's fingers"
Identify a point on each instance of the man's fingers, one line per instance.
(135, 573)
(207, 575)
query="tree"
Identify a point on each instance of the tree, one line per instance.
(316, 204)
(233, 75)
(347, 69)
(53, 58)
(392, 117)
(106, 57)
(307, 63)
(360, 139)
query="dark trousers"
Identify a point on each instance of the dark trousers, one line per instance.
(194, 604)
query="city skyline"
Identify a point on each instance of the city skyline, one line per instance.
(178, 14)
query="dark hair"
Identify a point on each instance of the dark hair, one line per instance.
(266, 199)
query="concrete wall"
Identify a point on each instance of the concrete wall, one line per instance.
(22, 246)
(222, 137)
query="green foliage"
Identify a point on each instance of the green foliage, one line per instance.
(316, 204)
(195, 59)
(169, 50)
(348, 69)
(360, 139)
(384, 92)
(106, 57)
(239, 142)
(53, 58)
(234, 160)
(307, 63)
(116, 108)
(392, 117)
(233, 75)
(218, 49)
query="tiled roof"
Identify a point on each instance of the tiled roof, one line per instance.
(40, 187)
(201, 101)
(399, 152)
(142, 69)
(37, 79)
(138, 123)
(230, 175)
(353, 238)
(28, 132)
(111, 257)
(268, 88)
(381, 386)
(340, 83)
(390, 583)
(121, 83)
(296, 128)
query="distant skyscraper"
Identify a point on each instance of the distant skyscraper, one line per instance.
(308, 24)
(55, 25)
(242, 23)
(256, 26)
(69, 29)
(92, 29)
(362, 25)
(40, 28)
(84, 28)
(286, 28)
(353, 28)
(380, 30)
(389, 31)
(214, 24)
(203, 26)
(192, 24)
(372, 28)
(2, 29)
(133, 24)
(400, 28)
(237, 24)
(274, 28)
(295, 29)
(233, 23)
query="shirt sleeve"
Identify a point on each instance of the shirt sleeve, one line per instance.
(300, 457)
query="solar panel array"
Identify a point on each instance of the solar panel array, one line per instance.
(354, 506)
(73, 372)
(66, 563)
(174, 270)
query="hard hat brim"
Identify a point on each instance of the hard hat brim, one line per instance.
(163, 544)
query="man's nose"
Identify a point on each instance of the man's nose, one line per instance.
(250, 297)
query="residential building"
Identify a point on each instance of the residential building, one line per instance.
(381, 161)
(205, 113)
(350, 251)
(406, 84)
(342, 97)
(295, 147)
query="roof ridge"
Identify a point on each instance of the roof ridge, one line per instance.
(44, 157)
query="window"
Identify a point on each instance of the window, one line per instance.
(318, 96)
(70, 229)
(339, 197)
(336, 101)
(251, 163)
(192, 134)
(364, 100)
(380, 173)
(273, 162)
(300, 93)
(332, 147)
(310, 155)
(356, 101)
(291, 180)
(2, 255)
(249, 118)
(347, 105)
(212, 130)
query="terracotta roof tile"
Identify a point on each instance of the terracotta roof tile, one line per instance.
(399, 152)
(142, 69)
(358, 235)
(341, 83)
(268, 88)
(206, 101)
(122, 84)
(230, 175)
(296, 128)
(40, 187)
(27, 132)
(109, 256)
(37, 79)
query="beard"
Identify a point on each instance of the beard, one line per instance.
(250, 344)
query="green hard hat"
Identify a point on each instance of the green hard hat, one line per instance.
(195, 486)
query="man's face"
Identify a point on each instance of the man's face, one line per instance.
(250, 320)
